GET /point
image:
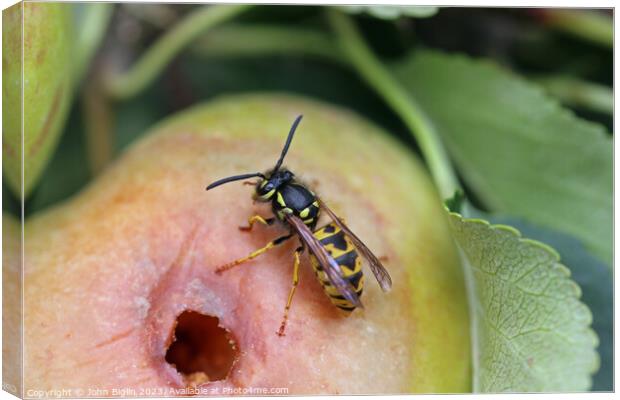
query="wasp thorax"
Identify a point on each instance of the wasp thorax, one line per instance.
(266, 188)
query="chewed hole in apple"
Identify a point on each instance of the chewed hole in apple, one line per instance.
(201, 350)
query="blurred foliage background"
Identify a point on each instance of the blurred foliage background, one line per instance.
(572, 66)
(193, 54)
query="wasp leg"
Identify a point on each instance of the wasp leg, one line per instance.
(254, 219)
(292, 292)
(253, 254)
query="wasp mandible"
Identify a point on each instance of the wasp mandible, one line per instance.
(334, 248)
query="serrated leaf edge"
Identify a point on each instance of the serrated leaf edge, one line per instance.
(563, 269)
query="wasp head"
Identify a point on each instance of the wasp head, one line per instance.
(266, 188)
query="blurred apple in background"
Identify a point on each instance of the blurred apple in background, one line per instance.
(47, 87)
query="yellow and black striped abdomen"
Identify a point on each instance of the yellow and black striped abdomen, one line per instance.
(340, 247)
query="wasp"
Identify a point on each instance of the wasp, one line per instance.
(334, 248)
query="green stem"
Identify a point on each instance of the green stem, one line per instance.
(91, 21)
(159, 16)
(98, 126)
(578, 93)
(261, 40)
(154, 60)
(590, 25)
(377, 76)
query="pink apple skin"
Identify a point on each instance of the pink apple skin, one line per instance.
(108, 271)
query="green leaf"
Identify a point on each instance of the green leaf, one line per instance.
(516, 148)
(530, 331)
(456, 202)
(596, 283)
(392, 12)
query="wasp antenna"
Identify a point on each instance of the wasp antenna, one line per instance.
(288, 142)
(234, 178)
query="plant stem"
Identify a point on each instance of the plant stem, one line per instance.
(590, 25)
(91, 21)
(578, 93)
(261, 40)
(98, 124)
(377, 76)
(146, 69)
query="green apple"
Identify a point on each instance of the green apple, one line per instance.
(47, 86)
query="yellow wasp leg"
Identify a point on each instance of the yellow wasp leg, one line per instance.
(292, 292)
(254, 219)
(252, 255)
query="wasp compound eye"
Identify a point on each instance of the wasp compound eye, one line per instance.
(265, 191)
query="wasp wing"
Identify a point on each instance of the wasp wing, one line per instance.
(330, 266)
(383, 277)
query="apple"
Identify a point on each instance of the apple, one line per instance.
(122, 298)
(46, 46)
